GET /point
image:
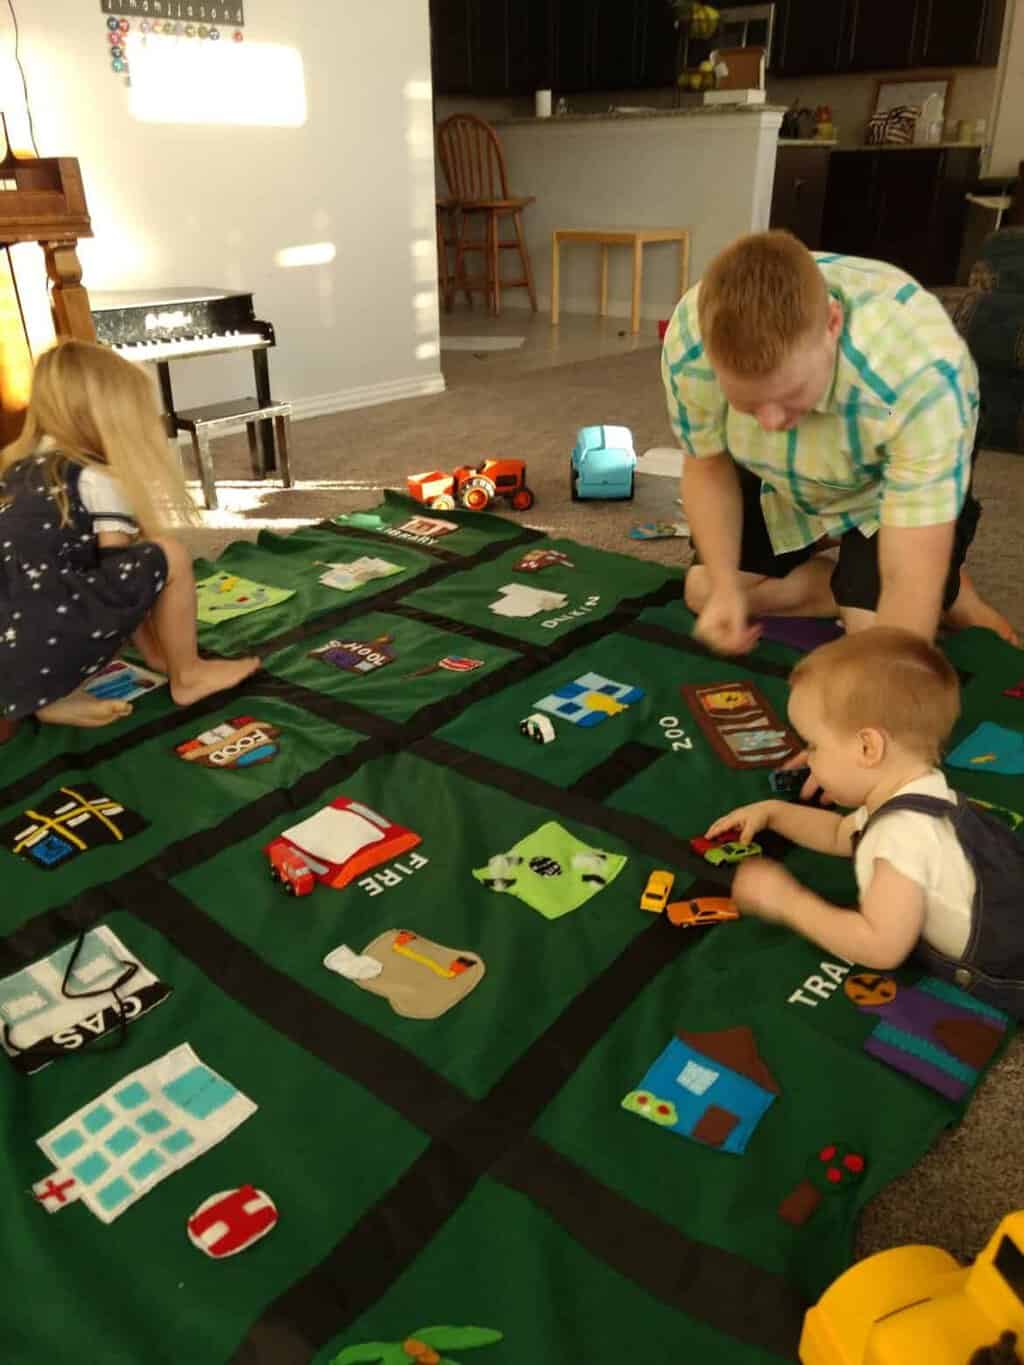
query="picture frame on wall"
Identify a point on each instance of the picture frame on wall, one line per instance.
(910, 108)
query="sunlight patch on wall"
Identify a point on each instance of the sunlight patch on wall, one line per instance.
(312, 253)
(244, 84)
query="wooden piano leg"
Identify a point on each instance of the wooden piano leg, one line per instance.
(163, 371)
(282, 426)
(261, 369)
(70, 302)
(204, 458)
(254, 450)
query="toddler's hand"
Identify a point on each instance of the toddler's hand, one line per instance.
(748, 820)
(812, 786)
(764, 888)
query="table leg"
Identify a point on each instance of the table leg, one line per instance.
(261, 370)
(638, 270)
(556, 248)
(603, 308)
(282, 426)
(684, 263)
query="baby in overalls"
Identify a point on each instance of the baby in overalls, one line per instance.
(936, 875)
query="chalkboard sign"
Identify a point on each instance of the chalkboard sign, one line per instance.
(197, 11)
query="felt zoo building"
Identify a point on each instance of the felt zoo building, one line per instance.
(432, 1133)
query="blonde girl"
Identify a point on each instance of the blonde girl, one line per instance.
(87, 492)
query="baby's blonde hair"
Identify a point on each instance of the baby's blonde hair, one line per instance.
(91, 407)
(759, 298)
(885, 679)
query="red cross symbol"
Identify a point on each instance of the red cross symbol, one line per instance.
(54, 1191)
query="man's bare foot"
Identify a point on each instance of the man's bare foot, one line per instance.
(970, 609)
(84, 711)
(210, 675)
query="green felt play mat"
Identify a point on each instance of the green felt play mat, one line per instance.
(446, 1140)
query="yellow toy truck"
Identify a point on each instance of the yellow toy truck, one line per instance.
(916, 1305)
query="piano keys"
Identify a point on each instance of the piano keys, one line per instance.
(158, 326)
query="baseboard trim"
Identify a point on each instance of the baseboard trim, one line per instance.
(368, 396)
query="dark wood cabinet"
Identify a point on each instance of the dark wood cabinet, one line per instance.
(511, 47)
(659, 45)
(960, 32)
(529, 46)
(808, 34)
(450, 46)
(573, 35)
(798, 195)
(881, 35)
(616, 53)
(906, 207)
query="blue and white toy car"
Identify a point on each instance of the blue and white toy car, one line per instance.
(603, 463)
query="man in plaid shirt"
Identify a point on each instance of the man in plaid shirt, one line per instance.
(822, 401)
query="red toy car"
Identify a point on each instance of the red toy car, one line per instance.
(473, 486)
(289, 867)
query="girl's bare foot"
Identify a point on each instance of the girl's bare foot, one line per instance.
(970, 609)
(84, 711)
(210, 675)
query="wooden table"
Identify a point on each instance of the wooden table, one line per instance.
(637, 238)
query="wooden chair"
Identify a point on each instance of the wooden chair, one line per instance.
(474, 168)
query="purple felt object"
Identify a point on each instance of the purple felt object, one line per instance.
(918, 1012)
(925, 1072)
(799, 632)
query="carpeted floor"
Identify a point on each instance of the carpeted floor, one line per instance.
(958, 1193)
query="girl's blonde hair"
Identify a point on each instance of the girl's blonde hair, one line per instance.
(91, 407)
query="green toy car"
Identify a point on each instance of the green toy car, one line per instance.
(731, 853)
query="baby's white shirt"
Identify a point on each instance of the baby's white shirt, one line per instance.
(925, 849)
(103, 498)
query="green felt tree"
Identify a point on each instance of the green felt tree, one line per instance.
(423, 1347)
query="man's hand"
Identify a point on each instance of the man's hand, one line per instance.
(763, 887)
(748, 820)
(723, 625)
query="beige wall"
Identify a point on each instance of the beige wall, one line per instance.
(852, 98)
(183, 194)
(1008, 139)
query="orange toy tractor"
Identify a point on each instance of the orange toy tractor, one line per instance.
(473, 486)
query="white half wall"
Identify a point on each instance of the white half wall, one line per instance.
(710, 172)
(1008, 135)
(342, 158)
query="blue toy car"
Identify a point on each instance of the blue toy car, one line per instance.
(603, 463)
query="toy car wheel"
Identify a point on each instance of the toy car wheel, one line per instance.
(444, 502)
(574, 487)
(476, 493)
(522, 500)
(632, 488)
(275, 876)
(289, 887)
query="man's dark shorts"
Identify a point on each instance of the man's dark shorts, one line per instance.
(855, 581)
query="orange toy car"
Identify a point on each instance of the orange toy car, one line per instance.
(705, 910)
(473, 486)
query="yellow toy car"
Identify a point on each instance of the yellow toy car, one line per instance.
(917, 1304)
(656, 892)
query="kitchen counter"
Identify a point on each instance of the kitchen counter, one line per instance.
(639, 116)
(911, 147)
(710, 168)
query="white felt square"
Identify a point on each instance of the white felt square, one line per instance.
(333, 835)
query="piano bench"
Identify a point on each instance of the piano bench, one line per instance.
(203, 424)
